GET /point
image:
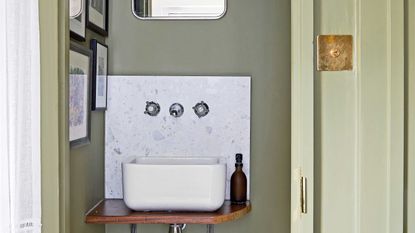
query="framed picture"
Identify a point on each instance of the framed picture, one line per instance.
(97, 16)
(99, 75)
(77, 24)
(80, 67)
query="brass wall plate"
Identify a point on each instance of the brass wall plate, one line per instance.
(334, 52)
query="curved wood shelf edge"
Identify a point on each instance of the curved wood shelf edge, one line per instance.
(114, 211)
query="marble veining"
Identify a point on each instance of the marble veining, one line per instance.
(223, 132)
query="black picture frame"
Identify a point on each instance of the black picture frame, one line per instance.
(102, 5)
(99, 72)
(80, 58)
(77, 26)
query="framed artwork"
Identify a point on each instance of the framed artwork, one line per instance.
(99, 75)
(97, 16)
(77, 24)
(80, 67)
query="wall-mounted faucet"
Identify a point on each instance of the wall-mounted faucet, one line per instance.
(201, 109)
(176, 110)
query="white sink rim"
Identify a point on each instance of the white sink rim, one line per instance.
(174, 183)
(176, 160)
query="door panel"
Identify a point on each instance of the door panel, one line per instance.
(335, 128)
(358, 120)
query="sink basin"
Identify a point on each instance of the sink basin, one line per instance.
(174, 184)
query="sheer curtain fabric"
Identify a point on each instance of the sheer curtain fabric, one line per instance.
(20, 200)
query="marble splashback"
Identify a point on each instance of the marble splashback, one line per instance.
(129, 132)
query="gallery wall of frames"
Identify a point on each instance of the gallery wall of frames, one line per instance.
(88, 67)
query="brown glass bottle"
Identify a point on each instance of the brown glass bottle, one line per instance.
(238, 182)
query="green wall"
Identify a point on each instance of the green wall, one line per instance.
(252, 39)
(409, 198)
(87, 169)
(72, 180)
(50, 70)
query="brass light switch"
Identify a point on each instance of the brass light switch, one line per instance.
(334, 52)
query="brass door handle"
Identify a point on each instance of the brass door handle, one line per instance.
(303, 195)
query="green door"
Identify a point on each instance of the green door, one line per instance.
(348, 126)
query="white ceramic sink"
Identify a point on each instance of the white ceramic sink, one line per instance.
(174, 184)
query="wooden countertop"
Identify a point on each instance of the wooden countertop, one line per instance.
(114, 211)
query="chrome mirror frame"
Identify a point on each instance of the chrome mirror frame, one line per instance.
(80, 11)
(225, 9)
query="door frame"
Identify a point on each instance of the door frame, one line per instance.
(302, 112)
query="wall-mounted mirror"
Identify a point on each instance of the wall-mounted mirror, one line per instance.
(75, 8)
(179, 9)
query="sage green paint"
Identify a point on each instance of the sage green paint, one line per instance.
(302, 113)
(64, 164)
(87, 169)
(335, 119)
(72, 182)
(359, 120)
(49, 58)
(252, 39)
(409, 224)
(54, 42)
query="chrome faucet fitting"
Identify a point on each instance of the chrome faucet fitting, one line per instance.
(176, 110)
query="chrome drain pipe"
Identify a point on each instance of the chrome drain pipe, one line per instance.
(133, 228)
(176, 228)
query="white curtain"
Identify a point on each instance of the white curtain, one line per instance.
(20, 209)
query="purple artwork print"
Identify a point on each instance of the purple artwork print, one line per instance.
(101, 76)
(76, 97)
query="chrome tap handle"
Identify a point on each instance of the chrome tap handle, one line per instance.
(176, 110)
